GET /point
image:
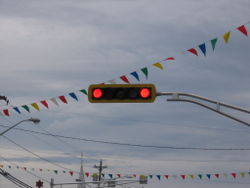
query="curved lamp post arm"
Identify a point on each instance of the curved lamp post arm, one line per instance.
(34, 120)
(178, 97)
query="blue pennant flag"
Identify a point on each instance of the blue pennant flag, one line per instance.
(17, 110)
(135, 75)
(203, 48)
(73, 95)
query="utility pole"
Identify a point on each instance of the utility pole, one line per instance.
(100, 169)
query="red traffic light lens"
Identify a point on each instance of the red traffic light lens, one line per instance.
(145, 93)
(97, 93)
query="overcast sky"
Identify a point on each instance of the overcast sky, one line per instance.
(50, 48)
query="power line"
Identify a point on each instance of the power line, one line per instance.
(36, 155)
(131, 145)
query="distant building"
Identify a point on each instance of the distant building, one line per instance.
(81, 177)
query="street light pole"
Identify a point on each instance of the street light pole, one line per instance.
(34, 120)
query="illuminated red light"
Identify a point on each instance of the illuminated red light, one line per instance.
(145, 93)
(97, 93)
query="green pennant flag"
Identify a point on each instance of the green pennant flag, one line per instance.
(56, 172)
(84, 91)
(213, 43)
(26, 108)
(145, 71)
(200, 176)
(151, 176)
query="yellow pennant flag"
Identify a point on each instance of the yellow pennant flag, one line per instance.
(242, 174)
(35, 105)
(226, 37)
(1, 166)
(158, 65)
(192, 176)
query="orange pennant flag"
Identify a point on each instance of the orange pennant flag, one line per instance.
(35, 105)
(158, 65)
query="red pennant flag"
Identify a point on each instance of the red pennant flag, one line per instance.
(217, 175)
(6, 112)
(183, 177)
(24, 168)
(193, 51)
(87, 174)
(167, 176)
(169, 58)
(135, 175)
(243, 29)
(124, 78)
(44, 103)
(63, 99)
(119, 175)
(41, 170)
(234, 175)
(71, 173)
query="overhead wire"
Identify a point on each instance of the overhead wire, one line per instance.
(132, 145)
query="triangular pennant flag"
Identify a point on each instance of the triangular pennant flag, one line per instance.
(203, 48)
(158, 65)
(54, 101)
(6, 112)
(193, 51)
(226, 37)
(56, 172)
(87, 174)
(119, 175)
(41, 170)
(234, 175)
(200, 176)
(84, 91)
(167, 176)
(26, 108)
(111, 176)
(64, 171)
(44, 103)
(24, 168)
(151, 176)
(103, 175)
(242, 174)
(9, 166)
(134, 175)
(145, 71)
(35, 105)
(192, 176)
(169, 58)
(242, 29)
(159, 177)
(125, 79)
(1, 166)
(135, 75)
(183, 177)
(213, 43)
(73, 95)
(63, 99)
(71, 173)
(17, 110)
(217, 175)
(208, 176)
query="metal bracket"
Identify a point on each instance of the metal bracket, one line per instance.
(185, 97)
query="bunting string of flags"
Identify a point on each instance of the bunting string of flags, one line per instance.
(200, 176)
(46, 104)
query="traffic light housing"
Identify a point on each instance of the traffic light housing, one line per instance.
(121, 93)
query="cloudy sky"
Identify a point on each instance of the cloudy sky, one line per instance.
(50, 48)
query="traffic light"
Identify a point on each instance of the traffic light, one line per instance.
(121, 93)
